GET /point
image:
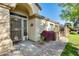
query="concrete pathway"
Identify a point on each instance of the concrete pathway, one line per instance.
(28, 48)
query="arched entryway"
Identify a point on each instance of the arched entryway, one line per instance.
(19, 21)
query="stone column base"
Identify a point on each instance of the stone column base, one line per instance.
(6, 44)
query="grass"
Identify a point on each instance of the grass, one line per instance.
(72, 47)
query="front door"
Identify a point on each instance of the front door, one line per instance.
(18, 28)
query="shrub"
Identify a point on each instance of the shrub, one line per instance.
(73, 32)
(42, 39)
(48, 35)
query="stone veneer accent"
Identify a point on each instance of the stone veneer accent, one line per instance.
(5, 41)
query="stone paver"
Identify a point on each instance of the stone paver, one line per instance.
(28, 48)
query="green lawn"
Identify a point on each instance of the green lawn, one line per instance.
(72, 47)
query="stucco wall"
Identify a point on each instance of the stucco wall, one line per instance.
(53, 27)
(32, 29)
(39, 28)
(47, 25)
(35, 30)
(5, 41)
(35, 9)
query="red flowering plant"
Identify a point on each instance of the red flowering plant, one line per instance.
(48, 35)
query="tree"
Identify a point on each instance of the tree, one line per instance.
(70, 11)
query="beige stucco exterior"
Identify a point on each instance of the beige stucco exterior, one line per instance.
(25, 9)
(34, 23)
(37, 28)
(28, 10)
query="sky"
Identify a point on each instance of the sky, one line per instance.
(52, 11)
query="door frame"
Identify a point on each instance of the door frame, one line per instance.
(22, 28)
(22, 25)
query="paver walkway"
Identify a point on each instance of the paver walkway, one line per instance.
(28, 48)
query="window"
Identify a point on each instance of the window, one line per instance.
(51, 27)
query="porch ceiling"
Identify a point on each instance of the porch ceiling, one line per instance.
(24, 8)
